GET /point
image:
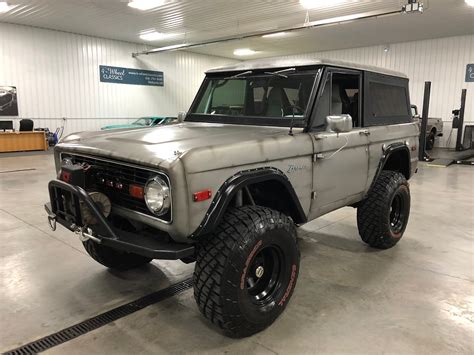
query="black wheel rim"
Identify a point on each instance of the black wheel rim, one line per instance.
(431, 141)
(263, 276)
(397, 213)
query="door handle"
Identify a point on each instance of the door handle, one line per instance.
(366, 132)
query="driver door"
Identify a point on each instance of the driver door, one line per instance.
(341, 161)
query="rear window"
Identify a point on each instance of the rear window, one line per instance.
(386, 101)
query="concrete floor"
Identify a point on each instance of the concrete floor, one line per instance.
(415, 298)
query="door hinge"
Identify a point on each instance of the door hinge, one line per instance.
(318, 156)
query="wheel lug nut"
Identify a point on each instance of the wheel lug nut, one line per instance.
(259, 271)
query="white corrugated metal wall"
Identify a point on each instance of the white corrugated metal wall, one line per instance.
(442, 61)
(57, 75)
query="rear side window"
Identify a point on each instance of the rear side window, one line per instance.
(387, 100)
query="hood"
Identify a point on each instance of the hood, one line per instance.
(163, 145)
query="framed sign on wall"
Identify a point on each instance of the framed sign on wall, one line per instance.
(130, 76)
(8, 101)
(470, 73)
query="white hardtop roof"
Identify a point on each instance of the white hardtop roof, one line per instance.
(270, 63)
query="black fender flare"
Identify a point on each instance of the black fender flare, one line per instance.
(231, 186)
(389, 151)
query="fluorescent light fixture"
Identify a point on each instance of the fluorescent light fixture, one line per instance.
(334, 20)
(152, 35)
(313, 4)
(470, 2)
(173, 46)
(244, 52)
(145, 4)
(4, 7)
(274, 35)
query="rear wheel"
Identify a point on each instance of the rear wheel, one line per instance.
(113, 258)
(247, 270)
(382, 217)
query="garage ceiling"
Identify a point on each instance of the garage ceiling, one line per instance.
(197, 21)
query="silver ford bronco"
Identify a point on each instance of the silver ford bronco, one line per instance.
(265, 147)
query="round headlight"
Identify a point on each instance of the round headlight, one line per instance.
(157, 196)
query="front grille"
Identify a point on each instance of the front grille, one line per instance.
(103, 171)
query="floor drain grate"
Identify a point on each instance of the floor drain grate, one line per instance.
(99, 321)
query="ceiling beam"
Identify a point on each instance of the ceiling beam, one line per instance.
(306, 26)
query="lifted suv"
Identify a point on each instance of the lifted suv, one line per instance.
(265, 147)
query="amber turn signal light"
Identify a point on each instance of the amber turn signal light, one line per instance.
(136, 191)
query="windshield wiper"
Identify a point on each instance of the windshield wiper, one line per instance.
(236, 76)
(280, 74)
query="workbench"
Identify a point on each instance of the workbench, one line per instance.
(22, 141)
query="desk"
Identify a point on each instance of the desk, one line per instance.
(22, 141)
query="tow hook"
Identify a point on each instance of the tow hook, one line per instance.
(85, 234)
(51, 217)
(52, 223)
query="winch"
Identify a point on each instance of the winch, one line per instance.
(102, 202)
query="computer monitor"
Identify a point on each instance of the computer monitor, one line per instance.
(6, 125)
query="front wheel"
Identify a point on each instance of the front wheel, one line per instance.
(382, 217)
(113, 258)
(247, 270)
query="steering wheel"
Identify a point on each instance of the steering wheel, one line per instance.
(293, 107)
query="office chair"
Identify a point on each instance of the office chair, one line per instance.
(26, 125)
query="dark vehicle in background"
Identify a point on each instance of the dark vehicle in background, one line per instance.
(434, 128)
(144, 122)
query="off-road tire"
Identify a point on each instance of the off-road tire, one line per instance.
(113, 258)
(227, 262)
(430, 140)
(376, 215)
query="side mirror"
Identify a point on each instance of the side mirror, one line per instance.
(181, 116)
(339, 124)
(417, 117)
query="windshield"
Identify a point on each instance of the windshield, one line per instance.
(258, 97)
(144, 121)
